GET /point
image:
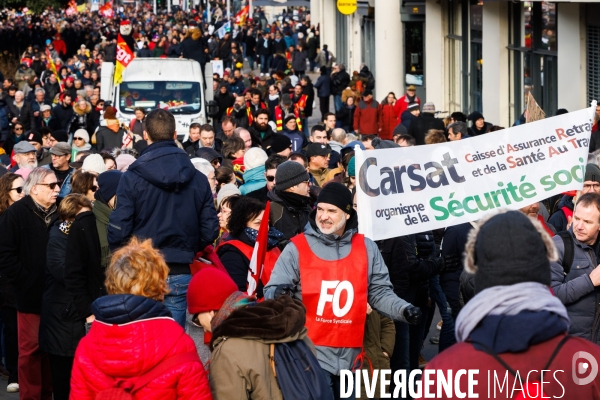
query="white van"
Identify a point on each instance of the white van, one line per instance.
(172, 84)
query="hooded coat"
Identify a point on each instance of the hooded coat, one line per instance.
(239, 365)
(163, 197)
(113, 349)
(82, 119)
(332, 247)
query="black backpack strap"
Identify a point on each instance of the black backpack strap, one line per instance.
(569, 254)
(512, 371)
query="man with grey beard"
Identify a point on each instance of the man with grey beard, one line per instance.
(25, 155)
(322, 263)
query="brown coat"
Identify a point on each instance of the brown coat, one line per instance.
(239, 364)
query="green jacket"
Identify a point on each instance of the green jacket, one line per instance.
(102, 213)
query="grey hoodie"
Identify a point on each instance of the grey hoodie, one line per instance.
(381, 296)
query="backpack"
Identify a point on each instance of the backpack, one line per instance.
(298, 372)
(569, 255)
(527, 385)
(124, 389)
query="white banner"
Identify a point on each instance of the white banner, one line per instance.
(414, 189)
(217, 67)
(226, 27)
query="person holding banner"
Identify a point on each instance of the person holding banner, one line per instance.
(335, 271)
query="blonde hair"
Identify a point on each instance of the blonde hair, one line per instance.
(138, 269)
(434, 136)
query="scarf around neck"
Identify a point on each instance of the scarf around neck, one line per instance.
(507, 300)
(235, 301)
(273, 240)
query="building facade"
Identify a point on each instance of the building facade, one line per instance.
(472, 55)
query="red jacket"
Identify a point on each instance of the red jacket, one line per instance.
(366, 117)
(129, 350)
(388, 120)
(465, 356)
(402, 105)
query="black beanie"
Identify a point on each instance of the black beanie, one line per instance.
(280, 143)
(60, 135)
(337, 194)
(592, 173)
(107, 185)
(509, 250)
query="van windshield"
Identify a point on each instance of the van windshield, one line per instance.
(177, 97)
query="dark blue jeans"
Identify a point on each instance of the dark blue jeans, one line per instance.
(265, 63)
(176, 300)
(447, 338)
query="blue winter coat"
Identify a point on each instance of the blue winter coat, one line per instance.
(254, 179)
(323, 86)
(163, 197)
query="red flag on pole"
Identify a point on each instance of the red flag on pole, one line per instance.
(106, 10)
(258, 255)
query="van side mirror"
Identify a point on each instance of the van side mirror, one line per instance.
(212, 109)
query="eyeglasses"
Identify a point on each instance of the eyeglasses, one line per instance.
(595, 187)
(78, 138)
(94, 188)
(270, 178)
(50, 185)
(18, 129)
(18, 189)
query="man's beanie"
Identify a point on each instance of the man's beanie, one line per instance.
(107, 185)
(34, 137)
(60, 135)
(337, 194)
(352, 167)
(280, 143)
(508, 250)
(592, 173)
(288, 174)
(208, 290)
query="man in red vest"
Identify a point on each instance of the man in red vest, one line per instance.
(336, 271)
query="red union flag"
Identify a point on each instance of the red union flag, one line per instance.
(124, 57)
(240, 17)
(106, 10)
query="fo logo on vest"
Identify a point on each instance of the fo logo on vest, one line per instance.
(334, 299)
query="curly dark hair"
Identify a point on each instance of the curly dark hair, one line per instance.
(243, 211)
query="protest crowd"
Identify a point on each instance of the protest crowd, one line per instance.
(132, 263)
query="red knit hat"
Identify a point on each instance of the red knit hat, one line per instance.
(208, 290)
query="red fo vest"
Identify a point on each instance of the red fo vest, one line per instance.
(334, 294)
(270, 258)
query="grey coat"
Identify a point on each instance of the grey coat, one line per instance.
(331, 247)
(576, 290)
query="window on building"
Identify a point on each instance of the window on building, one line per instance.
(533, 55)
